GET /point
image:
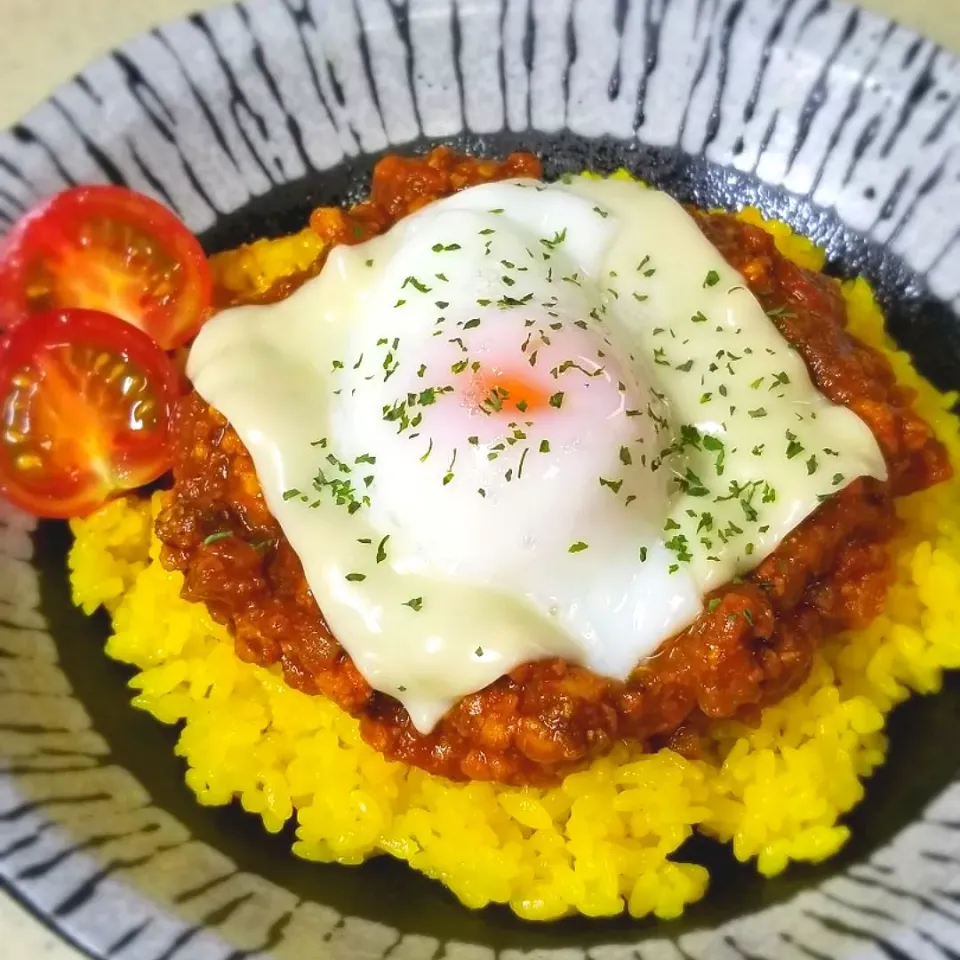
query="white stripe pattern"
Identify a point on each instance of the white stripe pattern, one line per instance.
(831, 118)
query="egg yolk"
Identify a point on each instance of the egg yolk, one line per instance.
(498, 390)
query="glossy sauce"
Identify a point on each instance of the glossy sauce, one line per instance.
(752, 644)
(714, 446)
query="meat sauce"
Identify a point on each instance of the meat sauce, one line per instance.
(753, 644)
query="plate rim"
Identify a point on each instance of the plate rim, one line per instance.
(129, 49)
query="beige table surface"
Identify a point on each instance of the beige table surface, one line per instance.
(43, 42)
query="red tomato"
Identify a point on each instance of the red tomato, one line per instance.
(110, 249)
(85, 402)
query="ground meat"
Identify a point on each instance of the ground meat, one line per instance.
(753, 644)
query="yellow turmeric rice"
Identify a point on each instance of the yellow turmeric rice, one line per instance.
(605, 839)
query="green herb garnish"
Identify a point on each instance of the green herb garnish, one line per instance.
(416, 284)
(219, 535)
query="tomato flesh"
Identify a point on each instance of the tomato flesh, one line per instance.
(85, 406)
(108, 249)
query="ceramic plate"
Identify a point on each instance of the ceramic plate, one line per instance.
(835, 120)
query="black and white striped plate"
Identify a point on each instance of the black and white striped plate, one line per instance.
(832, 119)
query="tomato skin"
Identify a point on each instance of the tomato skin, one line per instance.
(85, 403)
(110, 249)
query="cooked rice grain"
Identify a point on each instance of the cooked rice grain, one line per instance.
(601, 842)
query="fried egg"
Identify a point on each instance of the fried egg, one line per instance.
(529, 421)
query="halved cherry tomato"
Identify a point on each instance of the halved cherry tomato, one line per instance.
(85, 405)
(110, 249)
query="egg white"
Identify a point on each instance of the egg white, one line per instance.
(449, 535)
